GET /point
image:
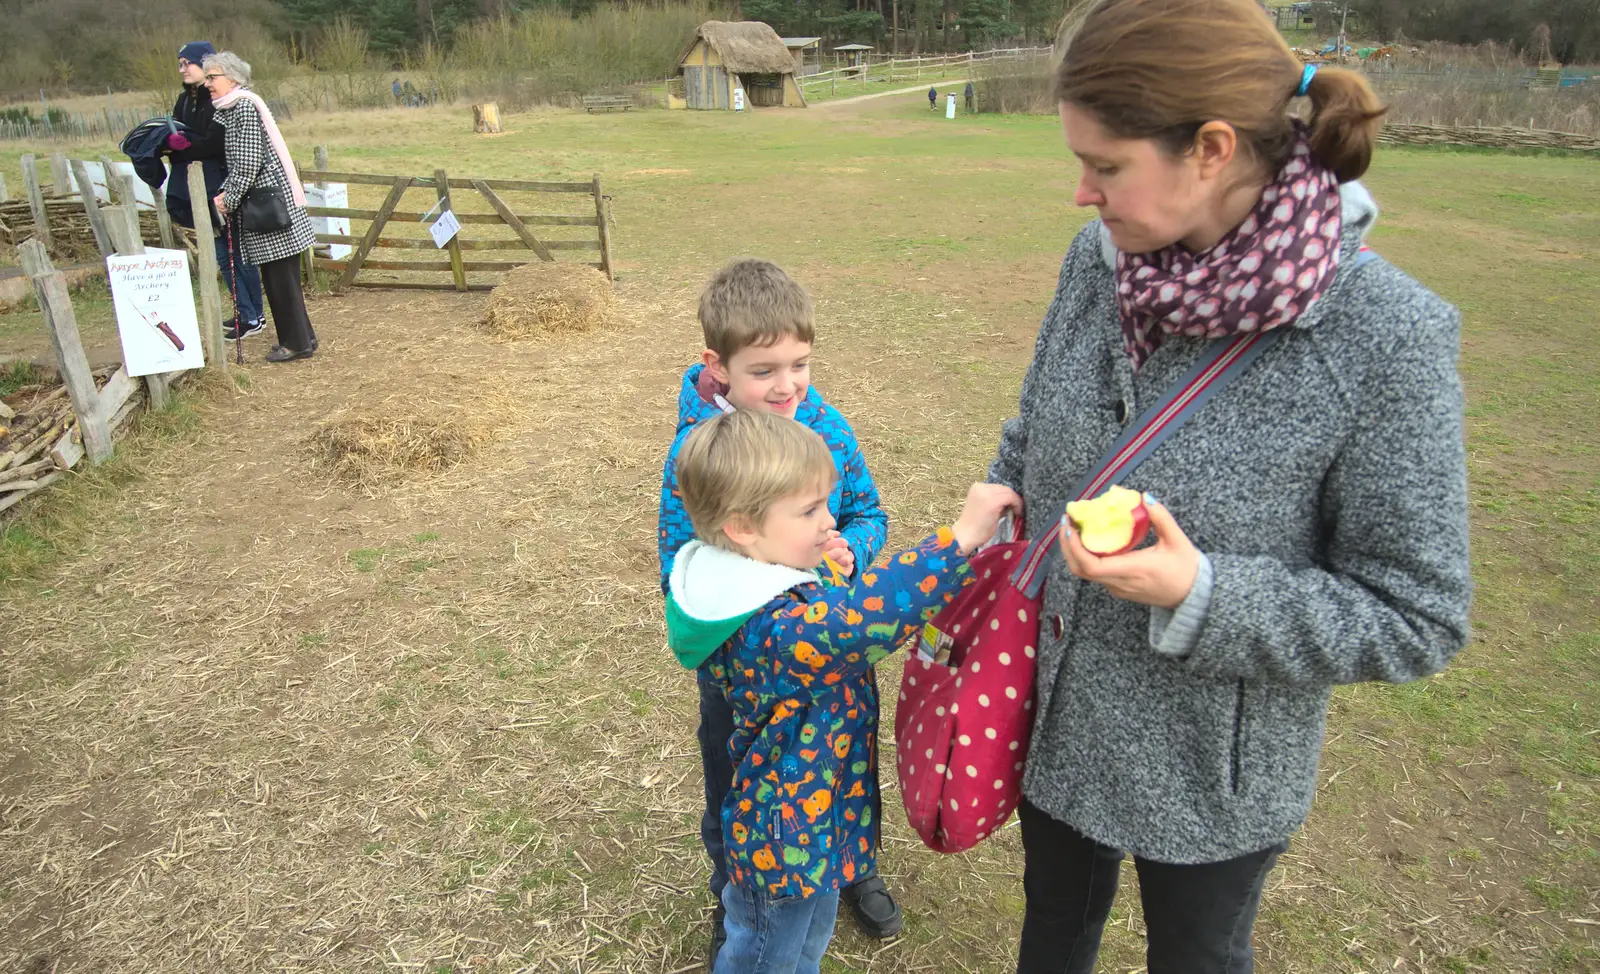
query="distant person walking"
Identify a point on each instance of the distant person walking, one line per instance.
(396, 89)
(967, 93)
(933, 99)
(259, 167)
(194, 110)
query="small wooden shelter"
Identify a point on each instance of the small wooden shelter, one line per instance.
(726, 55)
(853, 55)
(798, 46)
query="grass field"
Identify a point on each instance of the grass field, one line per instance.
(254, 718)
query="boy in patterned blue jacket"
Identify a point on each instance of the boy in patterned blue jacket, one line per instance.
(793, 658)
(758, 331)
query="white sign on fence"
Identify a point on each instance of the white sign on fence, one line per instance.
(444, 229)
(336, 196)
(97, 175)
(155, 311)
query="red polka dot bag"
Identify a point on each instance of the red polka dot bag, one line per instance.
(965, 711)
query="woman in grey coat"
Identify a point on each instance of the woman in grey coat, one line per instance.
(1311, 528)
(258, 158)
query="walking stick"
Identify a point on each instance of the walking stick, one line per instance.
(233, 279)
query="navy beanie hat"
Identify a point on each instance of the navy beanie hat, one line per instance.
(196, 52)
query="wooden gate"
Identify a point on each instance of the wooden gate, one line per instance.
(504, 247)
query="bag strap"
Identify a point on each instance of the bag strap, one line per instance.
(1223, 361)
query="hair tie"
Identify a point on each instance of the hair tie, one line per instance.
(1305, 81)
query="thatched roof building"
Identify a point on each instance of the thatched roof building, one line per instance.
(748, 55)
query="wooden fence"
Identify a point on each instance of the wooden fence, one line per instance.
(911, 68)
(57, 430)
(107, 123)
(531, 243)
(69, 223)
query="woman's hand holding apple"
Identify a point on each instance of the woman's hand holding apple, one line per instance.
(1159, 575)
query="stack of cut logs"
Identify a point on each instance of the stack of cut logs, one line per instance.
(39, 436)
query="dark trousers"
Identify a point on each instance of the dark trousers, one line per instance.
(716, 729)
(280, 279)
(1197, 918)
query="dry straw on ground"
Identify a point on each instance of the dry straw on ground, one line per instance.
(399, 437)
(541, 298)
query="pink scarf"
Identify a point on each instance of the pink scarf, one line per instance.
(273, 135)
(1260, 276)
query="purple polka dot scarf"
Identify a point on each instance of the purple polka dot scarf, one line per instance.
(1260, 276)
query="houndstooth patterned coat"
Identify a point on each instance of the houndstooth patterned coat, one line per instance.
(252, 163)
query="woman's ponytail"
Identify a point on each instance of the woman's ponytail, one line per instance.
(1344, 121)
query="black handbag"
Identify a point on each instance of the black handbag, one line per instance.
(263, 210)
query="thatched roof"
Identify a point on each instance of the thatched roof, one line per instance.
(745, 47)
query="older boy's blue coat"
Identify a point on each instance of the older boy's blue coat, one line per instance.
(854, 502)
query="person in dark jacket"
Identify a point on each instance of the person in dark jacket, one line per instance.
(194, 110)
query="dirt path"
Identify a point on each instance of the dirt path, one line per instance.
(856, 99)
(316, 726)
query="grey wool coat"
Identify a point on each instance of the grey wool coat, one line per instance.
(252, 163)
(1327, 488)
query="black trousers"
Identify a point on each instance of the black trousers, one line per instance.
(280, 281)
(1198, 918)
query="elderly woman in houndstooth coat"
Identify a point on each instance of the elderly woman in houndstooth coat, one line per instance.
(257, 159)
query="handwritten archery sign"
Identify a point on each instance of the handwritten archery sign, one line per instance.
(155, 312)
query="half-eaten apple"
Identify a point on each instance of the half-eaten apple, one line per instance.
(1112, 523)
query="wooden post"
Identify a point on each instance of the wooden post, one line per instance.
(30, 185)
(163, 218)
(206, 253)
(60, 176)
(54, 303)
(111, 181)
(601, 215)
(308, 266)
(128, 197)
(441, 184)
(91, 207)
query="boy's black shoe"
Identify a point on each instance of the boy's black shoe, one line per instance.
(230, 331)
(877, 914)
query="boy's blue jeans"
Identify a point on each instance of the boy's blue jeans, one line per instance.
(244, 276)
(782, 936)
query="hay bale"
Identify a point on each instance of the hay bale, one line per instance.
(369, 450)
(543, 298)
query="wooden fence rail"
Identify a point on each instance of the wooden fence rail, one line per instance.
(445, 192)
(894, 67)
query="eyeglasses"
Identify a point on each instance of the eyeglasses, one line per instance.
(211, 76)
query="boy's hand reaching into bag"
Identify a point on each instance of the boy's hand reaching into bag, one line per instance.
(981, 514)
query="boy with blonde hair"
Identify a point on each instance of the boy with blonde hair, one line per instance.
(792, 657)
(758, 327)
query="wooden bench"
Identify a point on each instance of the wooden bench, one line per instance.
(607, 103)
